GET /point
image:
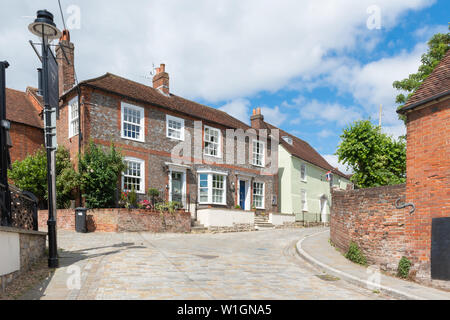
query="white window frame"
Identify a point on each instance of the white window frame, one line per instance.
(262, 153)
(142, 177)
(210, 187)
(181, 130)
(219, 143)
(263, 200)
(303, 179)
(72, 121)
(304, 200)
(141, 124)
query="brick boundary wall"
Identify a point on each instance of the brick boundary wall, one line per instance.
(123, 220)
(369, 218)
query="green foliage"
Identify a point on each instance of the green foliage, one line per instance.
(168, 206)
(354, 254)
(403, 268)
(153, 193)
(133, 198)
(437, 47)
(237, 207)
(99, 175)
(376, 158)
(31, 175)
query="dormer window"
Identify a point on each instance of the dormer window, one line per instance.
(288, 139)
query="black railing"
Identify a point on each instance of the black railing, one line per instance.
(24, 209)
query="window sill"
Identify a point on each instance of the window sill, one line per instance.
(174, 139)
(216, 157)
(135, 140)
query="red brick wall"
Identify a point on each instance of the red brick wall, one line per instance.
(428, 178)
(26, 140)
(123, 220)
(369, 218)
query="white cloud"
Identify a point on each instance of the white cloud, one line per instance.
(329, 112)
(214, 50)
(274, 115)
(371, 84)
(333, 161)
(325, 133)
(238, 108)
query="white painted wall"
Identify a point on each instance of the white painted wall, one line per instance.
(280, 219)
(224, 217)
(9, 252)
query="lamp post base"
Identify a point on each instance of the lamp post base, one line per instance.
(53, 263)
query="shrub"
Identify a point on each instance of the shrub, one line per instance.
(153, 194)
(404, 266)
(31, 175)
(354, 254)
(99, 175)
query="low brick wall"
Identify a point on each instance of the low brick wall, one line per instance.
(31, 248)
(369, 218)
(123, 220)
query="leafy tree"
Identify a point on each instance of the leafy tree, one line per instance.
(99, 175)
(31, 175)
(376, 158)
(437, 47)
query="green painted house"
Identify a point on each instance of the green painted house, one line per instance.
(305, 180)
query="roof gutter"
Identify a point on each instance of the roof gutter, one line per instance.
(417, 104)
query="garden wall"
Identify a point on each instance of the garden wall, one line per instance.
(123, 220)
(369, 218)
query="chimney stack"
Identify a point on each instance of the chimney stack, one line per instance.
(66, 72)
(161, 80)
(257, 119)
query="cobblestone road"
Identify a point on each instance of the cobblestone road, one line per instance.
(254, 265)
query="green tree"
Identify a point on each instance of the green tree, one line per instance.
(31, 175)
(99, 175)
(376, 159)
(437, 47)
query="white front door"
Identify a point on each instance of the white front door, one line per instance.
(323, 209)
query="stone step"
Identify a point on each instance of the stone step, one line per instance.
(199, 229)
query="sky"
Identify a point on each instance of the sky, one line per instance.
(313, 66)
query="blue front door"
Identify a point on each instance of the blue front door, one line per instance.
(242, 194)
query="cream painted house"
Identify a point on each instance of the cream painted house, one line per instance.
(304, 187)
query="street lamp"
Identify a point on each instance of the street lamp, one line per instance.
(44, 28)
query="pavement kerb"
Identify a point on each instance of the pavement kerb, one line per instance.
(348, 277)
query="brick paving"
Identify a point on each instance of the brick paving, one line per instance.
(254, 265)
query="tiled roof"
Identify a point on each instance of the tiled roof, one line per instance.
(140, 92)
(438, 82)
(301, 149)
(20, 109)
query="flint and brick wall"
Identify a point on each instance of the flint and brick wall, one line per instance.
(101, 122)
(369, 218)
(123, 220)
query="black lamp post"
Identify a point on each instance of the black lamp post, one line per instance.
(5, 216)
(44, 28)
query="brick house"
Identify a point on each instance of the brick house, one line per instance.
(428, 167)
(24, 111)
(148, 124)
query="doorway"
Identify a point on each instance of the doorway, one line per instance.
(244, 194)
(177, 185)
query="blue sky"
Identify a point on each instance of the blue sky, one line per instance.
(312, 66)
